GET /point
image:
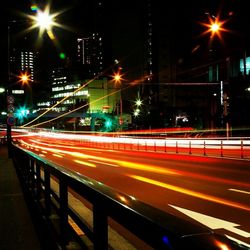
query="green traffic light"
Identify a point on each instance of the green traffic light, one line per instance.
(108, 124)
(62, 55)
(22, 112)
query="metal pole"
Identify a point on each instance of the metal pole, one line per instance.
(8, 93)
(9, 139)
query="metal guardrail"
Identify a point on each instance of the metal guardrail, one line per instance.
(153, 227)
(234, 148)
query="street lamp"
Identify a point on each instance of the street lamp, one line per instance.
(215, 27)
(117, 78)
(24, 78)
(44, 21)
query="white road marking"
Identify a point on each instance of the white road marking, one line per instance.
(239, 191)
(104, 163)
(212, 222)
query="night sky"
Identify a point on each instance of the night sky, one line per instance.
(78, 16)
(71, 13)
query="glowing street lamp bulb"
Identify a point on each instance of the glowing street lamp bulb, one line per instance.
(24, 78)
(136, 112)
(117, 77)
(215, 27)
(138, 102)
(44, 20)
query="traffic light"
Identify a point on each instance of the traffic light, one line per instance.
(108, 124)
(22, 112)
(62, 55)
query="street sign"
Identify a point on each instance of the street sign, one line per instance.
(10, 99)
(10, 120)
(10, 108)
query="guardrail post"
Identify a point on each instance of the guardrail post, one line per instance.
(146, 147)
(190, 148)
(155, 146)
(176, 147)
(165, 146)
(204, 148)
(31, 176)
(241, 150)
(38, 181)
(47, 192)
(63, 191)
(221, 148)
(100, 228)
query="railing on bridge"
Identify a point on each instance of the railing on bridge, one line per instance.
(232, 148)
(90, 215)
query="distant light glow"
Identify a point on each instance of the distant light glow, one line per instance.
(34, 7)
(165, 239)
(136, 112)
(138, 102)
(222, 246)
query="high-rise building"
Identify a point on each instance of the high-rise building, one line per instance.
(83, 51)
(90, 55)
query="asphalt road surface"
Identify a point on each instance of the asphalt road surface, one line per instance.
(212, 191)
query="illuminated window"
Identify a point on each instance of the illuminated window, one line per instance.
(247, 66)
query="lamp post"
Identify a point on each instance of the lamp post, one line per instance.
(44, 21)
(9, 97)
(214, 28)
(117, 77)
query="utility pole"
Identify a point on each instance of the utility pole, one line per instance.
(9, 99)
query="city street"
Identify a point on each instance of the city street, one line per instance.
(211, 191)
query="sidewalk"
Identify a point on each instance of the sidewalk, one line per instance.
(18, 229)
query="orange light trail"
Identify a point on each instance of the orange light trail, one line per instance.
(57, 155)
(85, 163)
(134, 165)
(191, 193)
(125, 164)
